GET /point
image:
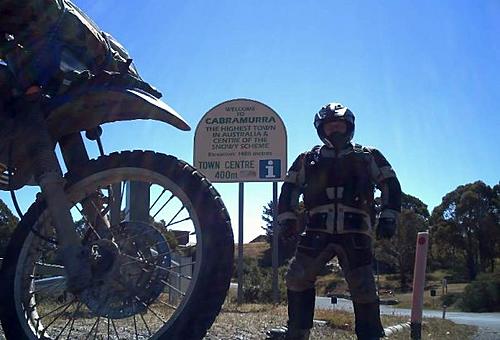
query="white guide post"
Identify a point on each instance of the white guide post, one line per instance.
(418, 285)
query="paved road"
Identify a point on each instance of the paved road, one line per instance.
(483, 320)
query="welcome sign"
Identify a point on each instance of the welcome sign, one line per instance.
(241, 140)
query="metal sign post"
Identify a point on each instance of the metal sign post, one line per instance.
(240, 243)
(137, 202)
(276, 291)
(238, 141)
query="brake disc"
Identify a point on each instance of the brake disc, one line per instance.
(129, 272)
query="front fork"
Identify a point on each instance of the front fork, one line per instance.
(73, 255)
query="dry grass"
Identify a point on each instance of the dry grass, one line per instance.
(250, 322)
(323, 284)
(429, 301)
(439, 329)
(344, 320)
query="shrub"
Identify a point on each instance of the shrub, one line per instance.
(450, 298)
(482, 295)
(457, 276)
(333, 284)
(431, 277)
(392, 277)
(257, 282)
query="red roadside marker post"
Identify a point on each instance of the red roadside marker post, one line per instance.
(418, 285)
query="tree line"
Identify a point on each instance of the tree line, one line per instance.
(8, 222)
(464, 234)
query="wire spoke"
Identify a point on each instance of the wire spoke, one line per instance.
(175, 272)
(114, 327)
(69, 320)
(169, 269)
(166, 304)
(173, 218)
(166, 283)
(156, 201)
(179, 275)
(173, 288)
(92, 329)
(150, 309)
(109, 324)
(96, 324)
(57, 309)
(63, 329)
(140, 301)
(91, 227)
(149, 231)
(58, 315)
(145, 324)
(97, 327)
(163, 206)
(135, 328)
(184, 219)
(73, 321)
(50, 265)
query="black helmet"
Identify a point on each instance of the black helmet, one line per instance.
(331, 112)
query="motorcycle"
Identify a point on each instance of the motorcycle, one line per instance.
(133, 244)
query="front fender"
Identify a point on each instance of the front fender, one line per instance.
(97, 105)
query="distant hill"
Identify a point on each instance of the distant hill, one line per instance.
(253, 249)
(260, 238)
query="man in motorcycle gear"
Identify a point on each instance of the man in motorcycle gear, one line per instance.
(337, 181)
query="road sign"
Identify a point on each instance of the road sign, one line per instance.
(241, 140)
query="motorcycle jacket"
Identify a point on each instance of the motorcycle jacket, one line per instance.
(338, 189)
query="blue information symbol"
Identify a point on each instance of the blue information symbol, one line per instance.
(269, 168)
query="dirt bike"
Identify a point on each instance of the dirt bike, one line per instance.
(96, 255)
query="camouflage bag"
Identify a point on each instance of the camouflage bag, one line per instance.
(57, 38)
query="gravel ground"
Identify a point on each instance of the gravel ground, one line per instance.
(250, 323)
(484, 333)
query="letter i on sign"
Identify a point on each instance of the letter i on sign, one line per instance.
(270, 169)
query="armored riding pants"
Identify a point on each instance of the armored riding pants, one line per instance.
(354, 251)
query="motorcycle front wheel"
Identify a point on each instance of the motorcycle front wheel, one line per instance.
(161, 266)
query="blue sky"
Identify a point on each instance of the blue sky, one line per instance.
(423, 79)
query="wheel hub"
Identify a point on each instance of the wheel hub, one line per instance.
(104, 253)
(128, 272)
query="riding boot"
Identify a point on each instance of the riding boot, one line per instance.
(278, 333)
(301, 309)
(367, 320)
(285, 333)
(300, 316)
